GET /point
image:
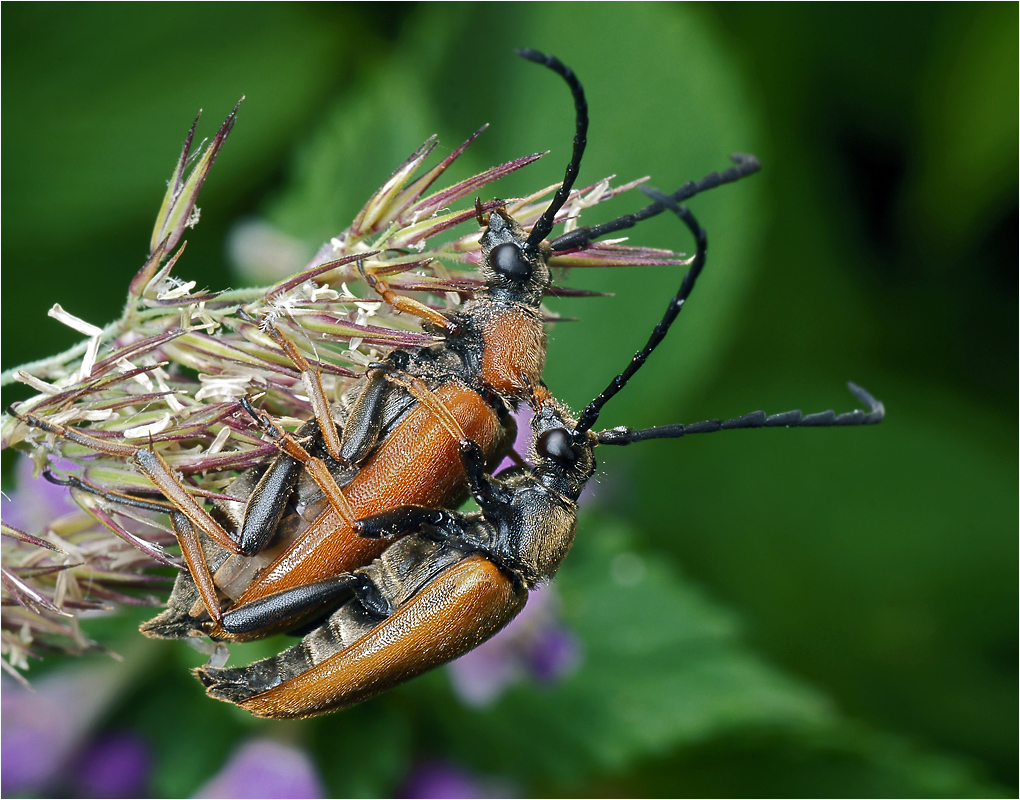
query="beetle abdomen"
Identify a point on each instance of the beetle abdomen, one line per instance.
(355, 656)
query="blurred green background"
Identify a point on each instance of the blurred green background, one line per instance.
(818, 612)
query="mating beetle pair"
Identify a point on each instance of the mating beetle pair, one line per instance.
(456, 579)
(417, 431)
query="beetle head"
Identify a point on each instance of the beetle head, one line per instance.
(510, 273)
(564, 459)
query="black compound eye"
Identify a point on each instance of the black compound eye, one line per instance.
(508, 261)
(556, 444)
(399, 359)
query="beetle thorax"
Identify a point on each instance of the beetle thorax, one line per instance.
(537, 534)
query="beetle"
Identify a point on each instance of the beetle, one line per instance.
(456, 579)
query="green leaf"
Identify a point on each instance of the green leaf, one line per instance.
(662, 667)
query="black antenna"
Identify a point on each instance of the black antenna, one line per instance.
(756, 419)
(745, 165)
(590, 414)
(545, 222)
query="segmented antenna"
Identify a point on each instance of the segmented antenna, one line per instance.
(756, 419)
(545, 222)
(745, 165)
(591, 413)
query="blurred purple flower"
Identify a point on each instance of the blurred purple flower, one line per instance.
(443, 780)
(117, 765)
(522, 416)
(43, 729)
(265, 768)
(535, 645)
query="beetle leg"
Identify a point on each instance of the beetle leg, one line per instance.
(191, 547)
(120, 498)
(406, 305)
(270, 497)
(485, 491)
(155, 468)
(76, 436)
(313, 385)
(424, 395)
(187, 513)
(315, 467)
(274, 609)
(364, 420)
(264, 509)
(405, 519)
(194, 557)
(163, 477)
